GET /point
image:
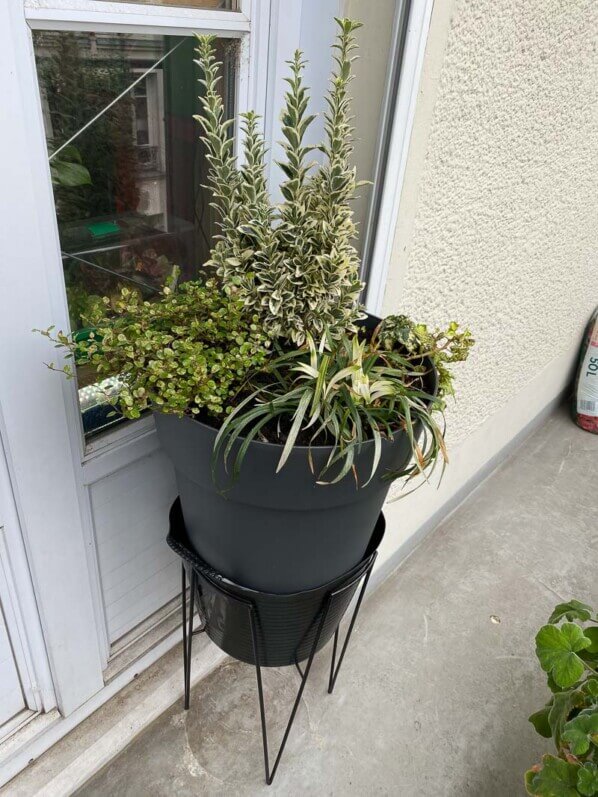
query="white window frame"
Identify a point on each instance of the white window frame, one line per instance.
(253, 18)
(383, 231)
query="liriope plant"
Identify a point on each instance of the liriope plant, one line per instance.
(341, 393)
(295, 265)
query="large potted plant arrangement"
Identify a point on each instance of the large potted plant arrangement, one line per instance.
(286, 410)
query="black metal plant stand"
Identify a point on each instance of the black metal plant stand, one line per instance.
(228, 616)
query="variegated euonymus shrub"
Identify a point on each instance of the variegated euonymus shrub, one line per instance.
(567, 648)
(294, 264)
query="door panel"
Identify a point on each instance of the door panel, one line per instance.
(138, 571)
(12, 700)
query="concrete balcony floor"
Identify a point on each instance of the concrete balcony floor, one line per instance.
(441, 675)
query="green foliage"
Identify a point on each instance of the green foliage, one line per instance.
(84, 308)
(581, 732)
(67, 170)
(338, 393)
(189, 351)
(555, 778)
(587, 779)
(443, 346)
(557, 650)
(286, 273)
(572, 610)
(294, 265)
(223, 176)
(540, 720)
(569, 653)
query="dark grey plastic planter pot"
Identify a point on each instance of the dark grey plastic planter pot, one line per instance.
(277, 532)
(287, 624)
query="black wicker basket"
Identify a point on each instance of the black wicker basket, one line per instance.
(286, 624)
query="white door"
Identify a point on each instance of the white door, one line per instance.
(111, 86)
(12, 701)
(25, 681)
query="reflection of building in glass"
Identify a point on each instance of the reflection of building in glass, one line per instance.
(121, 106)
(149, 145)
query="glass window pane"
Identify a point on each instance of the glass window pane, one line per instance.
(128, 171)
(368, 92)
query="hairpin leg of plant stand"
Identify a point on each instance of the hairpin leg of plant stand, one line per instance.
(260, 691)
(184, 611)
(188, 632)
(335, 670)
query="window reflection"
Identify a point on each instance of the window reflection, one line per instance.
(127, 170)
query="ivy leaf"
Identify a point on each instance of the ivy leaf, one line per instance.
(587, 780)
(540, 721)
(572, 610)
(557, 648)
(582, 731)
(556, 778)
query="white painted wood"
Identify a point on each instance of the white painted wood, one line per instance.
(104, 17)
(113, 727)
(18, 602)
(138, 571)
(12, 700)
(36, 416)
(415, 45)
(19, 723)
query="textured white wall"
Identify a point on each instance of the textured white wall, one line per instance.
(498, 226)
(498, 221)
